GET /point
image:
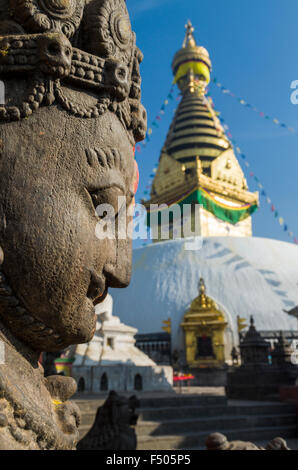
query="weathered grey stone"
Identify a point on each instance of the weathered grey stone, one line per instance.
(67, 132)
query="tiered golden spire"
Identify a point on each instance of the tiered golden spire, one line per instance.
(197, 163)
(196, 129)
(196, 137)
(191, 65)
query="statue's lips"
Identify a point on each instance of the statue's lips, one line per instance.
(97, 290)
(101, 298)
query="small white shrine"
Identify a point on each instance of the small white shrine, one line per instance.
(111, 361)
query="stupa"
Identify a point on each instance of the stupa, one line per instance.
(197, 164)
(243, 275)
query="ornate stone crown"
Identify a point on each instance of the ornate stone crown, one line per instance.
(85, 44)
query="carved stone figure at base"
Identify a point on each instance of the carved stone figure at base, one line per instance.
(277, 444)
(71, 118)
(218, 441)
(112, 428)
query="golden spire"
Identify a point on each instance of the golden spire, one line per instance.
(202, 302)
(202, 287)
(191, 64)
(202, 294)
(198, 154)
(189, 40)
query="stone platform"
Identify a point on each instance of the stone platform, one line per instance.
(173, 420)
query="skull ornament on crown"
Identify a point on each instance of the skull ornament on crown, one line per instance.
(71, 118)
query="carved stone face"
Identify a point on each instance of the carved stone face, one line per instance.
(67, 130)
(51, 180)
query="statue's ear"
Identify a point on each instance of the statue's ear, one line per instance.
(1, 256)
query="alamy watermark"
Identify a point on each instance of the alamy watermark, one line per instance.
(294, 94)
(166, 223)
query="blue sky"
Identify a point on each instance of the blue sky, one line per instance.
(254, 50)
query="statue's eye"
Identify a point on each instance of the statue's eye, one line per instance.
(103, 198)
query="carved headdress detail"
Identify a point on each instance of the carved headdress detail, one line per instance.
(38, 16)
(55, 43)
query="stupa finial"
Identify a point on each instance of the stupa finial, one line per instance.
(189, 40)
(202, 286)
(191, 64)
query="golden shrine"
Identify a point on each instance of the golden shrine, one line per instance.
(204, 326)
(197, 165)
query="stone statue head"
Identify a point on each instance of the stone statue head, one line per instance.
(71, 118)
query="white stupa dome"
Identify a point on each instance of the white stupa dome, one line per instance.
(244, 276)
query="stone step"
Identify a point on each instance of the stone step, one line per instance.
(183, 400)
(87, 419)
(179, 426)
(154, 414)
(187, 441)
(84, 429)
(210, 424)
(90, 405)
(178, 422)
(264, 408)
